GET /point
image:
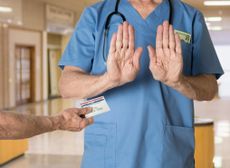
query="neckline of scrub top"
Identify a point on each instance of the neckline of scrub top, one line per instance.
(161, 11)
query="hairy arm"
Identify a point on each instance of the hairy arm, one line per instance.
(123, 65)
(17, 126)
(202, 87)
(75, 83)
(166, 65)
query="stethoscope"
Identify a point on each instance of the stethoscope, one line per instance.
(117, 13)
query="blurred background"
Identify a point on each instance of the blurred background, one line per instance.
(33, 36)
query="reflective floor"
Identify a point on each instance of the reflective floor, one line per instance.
(45, 161)
(64, 149)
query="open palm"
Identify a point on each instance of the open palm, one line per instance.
(166, 61)
(123, 62)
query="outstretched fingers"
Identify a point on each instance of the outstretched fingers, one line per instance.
(172, 42)
(137, 58)
(131, 38)
(85, 122)
(159, 45)
(159, 37)
(130, 46)
(152, 55)
(125, 35)
(119, 40)
(166, 35)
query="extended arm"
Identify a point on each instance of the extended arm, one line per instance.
(202, 87)
(122, 67)
(75, 83)
(166, 65)
(17, 126)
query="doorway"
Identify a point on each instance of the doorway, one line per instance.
(24, 74)
(54, 55)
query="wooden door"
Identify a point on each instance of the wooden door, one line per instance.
(24, 75)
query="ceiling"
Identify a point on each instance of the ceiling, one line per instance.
(74, 5)
(15, 16)
(200, 4)
(79, 5)
(83, 3)
(224, 12)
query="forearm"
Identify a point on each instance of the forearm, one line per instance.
(79, 85)
(16, 126)
(201, 88)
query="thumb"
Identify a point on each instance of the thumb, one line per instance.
(137, 56)
(152, 54)
(84, 111)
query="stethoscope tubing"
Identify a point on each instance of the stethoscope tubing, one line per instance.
(116, 12)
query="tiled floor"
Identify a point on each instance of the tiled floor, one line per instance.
(59, 142)
(45, 161)
(64, 149)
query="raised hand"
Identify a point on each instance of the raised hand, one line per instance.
(166, 61)
(123, 62)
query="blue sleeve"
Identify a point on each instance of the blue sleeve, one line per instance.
(80, 50)
(205, 59)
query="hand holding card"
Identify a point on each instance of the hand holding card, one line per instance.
(99, 106)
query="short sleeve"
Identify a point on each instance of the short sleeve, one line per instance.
(81, 47)
(204, 59)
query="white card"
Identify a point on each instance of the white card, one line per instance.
(99, 106)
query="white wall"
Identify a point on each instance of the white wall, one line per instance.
(64, 42)
(224, 56)
(45, 66)
(33, 14)
(16, 16)
(1, 68)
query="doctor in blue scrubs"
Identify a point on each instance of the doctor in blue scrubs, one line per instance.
(149, 76)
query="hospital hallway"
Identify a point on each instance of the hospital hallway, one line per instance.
(58, 149)
(64, 149)
(36, 36)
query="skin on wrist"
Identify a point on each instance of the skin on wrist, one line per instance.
(177, 84)
(183, 86)
(110, 83)
(56, 122)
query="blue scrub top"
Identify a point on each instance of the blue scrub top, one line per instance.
(150, 125)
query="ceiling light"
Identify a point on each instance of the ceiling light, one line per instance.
(5, 9)
(217, 3)
(19, 23)
(215, 28)
(5, 25)
(213, 19)
(9, 21)
(208, 24)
